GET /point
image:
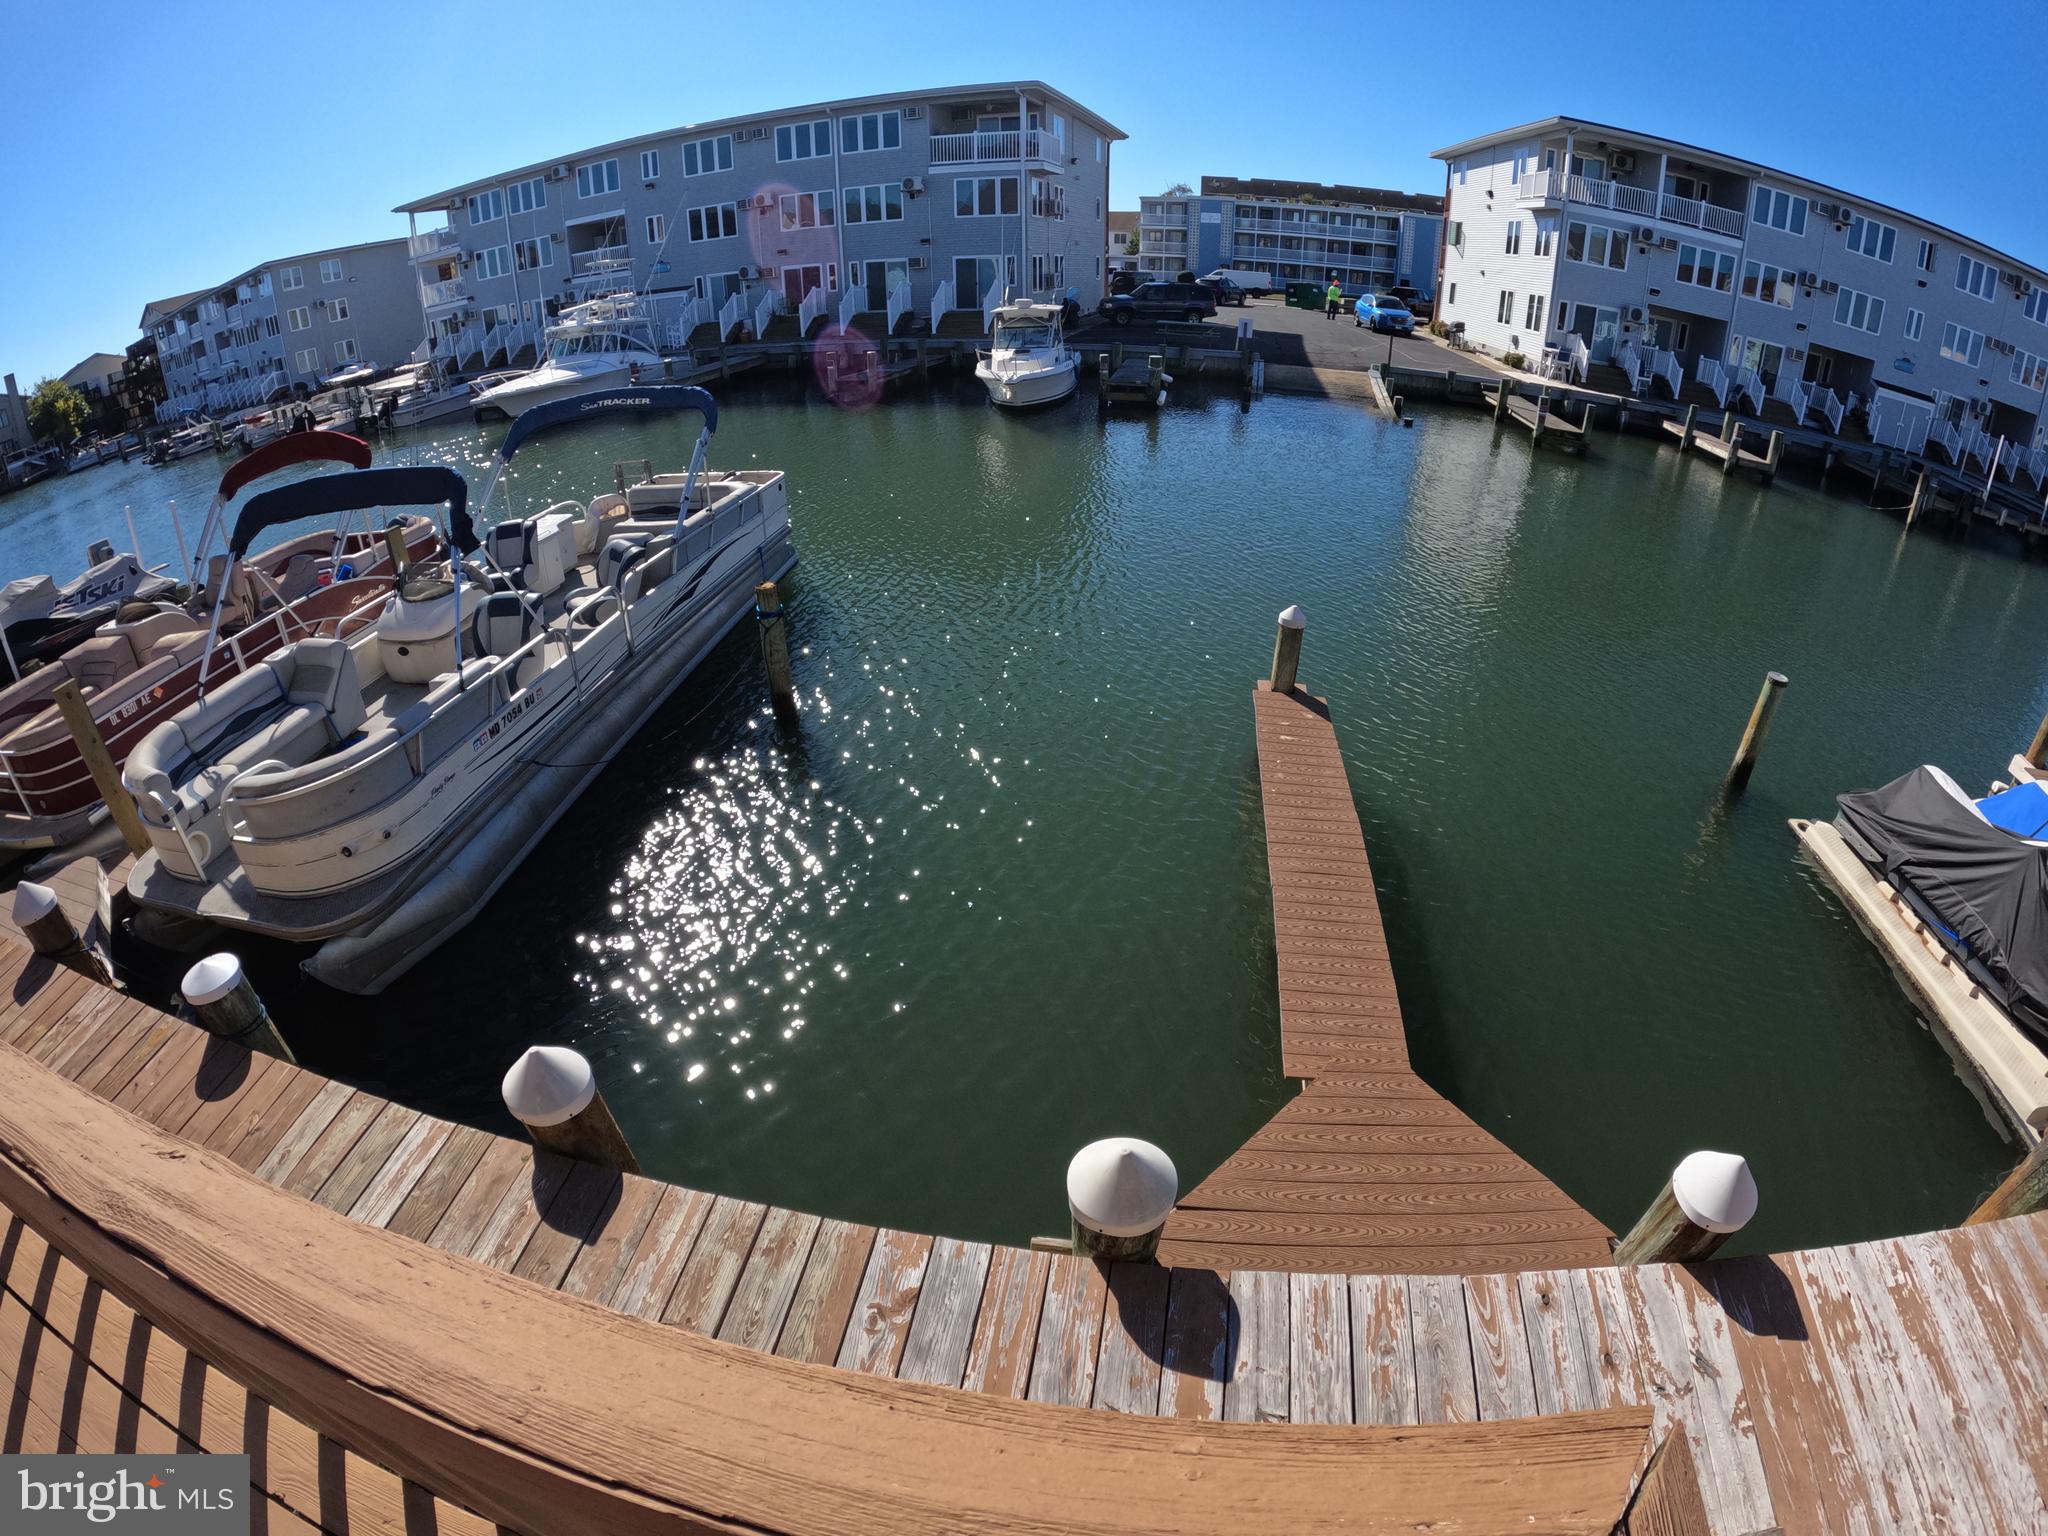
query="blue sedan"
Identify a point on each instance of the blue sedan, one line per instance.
(1384, 312)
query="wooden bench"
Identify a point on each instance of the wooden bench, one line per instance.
(543, 1413)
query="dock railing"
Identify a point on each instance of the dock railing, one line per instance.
(762, 312)
(1709, 371)
(729, 315)
(812, 309)
(1749, 385)
(1950, 439)
(899, 305)
(1664, 365)
(1796, 393)
(1977, 445)
(990, 302)
(1578, 355)
(1832, 406)
(942, 301)
(1630, 361)
(849, 306)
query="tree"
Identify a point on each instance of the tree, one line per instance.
(57, 413)
(1179, 189)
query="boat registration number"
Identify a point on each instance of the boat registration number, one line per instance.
(497, 727)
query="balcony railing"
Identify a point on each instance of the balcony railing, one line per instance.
(1540, 187)
(1639, 202)
(1010, 144)
(599, 258)
(433, 295)
(433, 242)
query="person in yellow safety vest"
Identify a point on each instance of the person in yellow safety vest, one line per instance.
(1336, 298)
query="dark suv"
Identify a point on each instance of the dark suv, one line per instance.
(1160, 301)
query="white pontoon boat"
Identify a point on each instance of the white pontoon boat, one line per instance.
(368, 795)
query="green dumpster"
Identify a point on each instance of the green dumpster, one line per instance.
(1305, 295)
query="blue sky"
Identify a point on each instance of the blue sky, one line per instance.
(163, 147)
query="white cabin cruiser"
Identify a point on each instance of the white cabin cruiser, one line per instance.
(592, 346)
(418, 393)
(367, 795)
(1027, 362)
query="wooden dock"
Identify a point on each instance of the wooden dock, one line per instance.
(1368, 1169)
(1547, 426)
(1139, 381)
(1726, 445)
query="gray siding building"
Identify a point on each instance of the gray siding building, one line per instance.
(1362, 238)
(1687, 266)
(14, 433)
(892, 200)
(282, 326)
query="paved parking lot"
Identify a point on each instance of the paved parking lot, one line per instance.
(1292, 337)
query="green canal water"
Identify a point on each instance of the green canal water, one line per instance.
(1006, 892)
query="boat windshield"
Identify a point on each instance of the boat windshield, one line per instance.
(1021, 336)
(583, 344)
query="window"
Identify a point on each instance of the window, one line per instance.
(485, 207)
(1101, 149)
(870, 130)
(1459, 168)
(1869, 238)
(701, 157)
(527, 196)
(493, 261)
(1779, 210)
(2029, 371)
(597, 179)
(650, 165)
(337, 309)
(1454, 233)
(975, 196)
(1532, 318)
(1546, 236)
(270, 325)
(1514, 242)
(306, 360)
(804, 141)
(1768, 284)
(1504, 312)
(1960, 344)
(1597, 245)
(809, 210)
(299, 319)
(880, 203)
(1859, 311)
(1704, 268)
(1974, 276)
(1048, 199)
(718, 221)
(529, 254)
(657, 229)
(291, 277)
(1916, 323)
(1926, 259)
(2035, 305)
(345, 350)
(330, 270)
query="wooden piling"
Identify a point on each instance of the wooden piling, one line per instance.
(1709, 1197)
(1119, 1193)
(1919, 500)
(1102, 372)
(1500, 401)
(924, 360)
(1753, 733)
(1771, 455)
(1287, 649)
(553, 1093)
(1734, 452)
(51, 934)
(775, 652)
(724, 362)
(1685, 438)
(2024, 1191)
(1727, 426)
(99, 762)
(1116, 356)
(223, 1000)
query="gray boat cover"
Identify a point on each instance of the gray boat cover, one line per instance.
(1984, 888)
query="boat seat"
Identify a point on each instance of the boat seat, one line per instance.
(618, 557)
(147, 636)
(97, 664)
(505, 623)
(507, 547)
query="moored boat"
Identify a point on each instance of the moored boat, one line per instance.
(416, 394)
(592, 346)
(366, 795)
(1028, 362)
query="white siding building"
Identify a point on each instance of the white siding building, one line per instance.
(876, 205)
(1689, 267)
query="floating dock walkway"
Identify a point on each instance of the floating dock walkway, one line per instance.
(1547, 426)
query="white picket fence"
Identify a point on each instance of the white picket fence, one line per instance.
(729, 314)
(1796, 393)
(1749, 385)
(1977, 445)
(849, 306)
(1951, 440)
(813, 307)
(942, 300)
(990, 303)
(1663, 366)
(1833, 407)
(764, 311)
(1708, 371)
(899, 305)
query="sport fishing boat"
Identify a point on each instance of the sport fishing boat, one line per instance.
(1953, 889)
(148, 660)
(592, 346)
(417, 394)
(366, 795)
(1027, 362)
(194, 437)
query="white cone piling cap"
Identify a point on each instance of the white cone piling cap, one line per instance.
(211, 980)
(1715, 1190)
(1121, 1187)
(548, 1085)
(32, 902)
(1294, 616)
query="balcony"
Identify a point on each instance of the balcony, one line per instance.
(432, 243)
(1011, 145)
(598, 259)
(441, 295)
(1546, 189)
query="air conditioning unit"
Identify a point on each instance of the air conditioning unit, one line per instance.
(1826, 210)
(1669, 242)
(1795, 354)
(1809, 279)
(1980, 406)
(1623, 161)
(763, 201)
(749, 274)
(1646, 234)
(913, 114)
(1844, 214)
(558, 172)
(914, 185)
(919, 263)
(1635, 314)
(747, 135)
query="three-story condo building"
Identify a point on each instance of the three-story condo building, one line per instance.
(892, 206)
(1596, 245)
(282, 326)
(1363, 238)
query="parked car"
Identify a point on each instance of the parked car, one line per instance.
(1413, 301)
(1256, 283)
(1159, 301)
(1384, 312)
(1224, 290)
(1124, 282)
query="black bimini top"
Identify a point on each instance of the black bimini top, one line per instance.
(422, 486)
